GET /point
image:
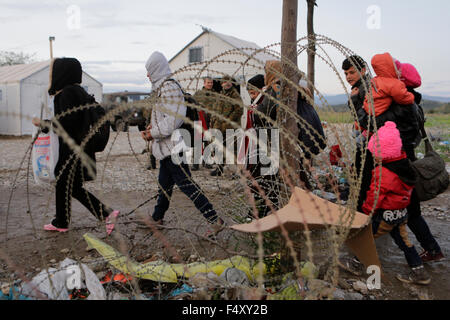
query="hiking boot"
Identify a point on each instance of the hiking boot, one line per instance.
(195, 167)
(216, 228)
(351, 265)
(418, 275)
(428, 256)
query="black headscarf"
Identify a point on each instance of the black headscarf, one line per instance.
(257, 81)
(64, 71)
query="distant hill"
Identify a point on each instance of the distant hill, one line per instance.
(434, 98)
(427, 105)
(342, 99)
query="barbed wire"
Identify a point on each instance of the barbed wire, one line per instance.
(239, 199)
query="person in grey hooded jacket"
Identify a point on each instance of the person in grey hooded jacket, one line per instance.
(166, 118)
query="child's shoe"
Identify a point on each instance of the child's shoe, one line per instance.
(111, 221)
(418, 275)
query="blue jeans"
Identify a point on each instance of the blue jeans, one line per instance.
(400, 235)
(171, 174)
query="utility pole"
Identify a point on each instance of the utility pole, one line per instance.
(289, 92)
(311, 45)
(51, 39)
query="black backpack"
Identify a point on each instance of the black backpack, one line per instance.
(93, 115)
(99, 140)
(191, 113)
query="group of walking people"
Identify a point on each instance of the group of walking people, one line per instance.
(391, 147)
(383, 158)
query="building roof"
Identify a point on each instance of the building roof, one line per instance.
(17, 73)
(244, 46)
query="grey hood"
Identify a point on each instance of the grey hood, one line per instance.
(158, 68)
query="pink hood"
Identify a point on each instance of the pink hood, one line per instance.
(409, 74)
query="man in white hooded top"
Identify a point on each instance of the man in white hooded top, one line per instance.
(163, 125)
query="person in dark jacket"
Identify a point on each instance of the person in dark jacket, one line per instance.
(310, 134)
(65, 79)
(264, 117)
(255, 120)
(355, 73)
(406, 122)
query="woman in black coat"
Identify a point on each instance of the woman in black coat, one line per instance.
(65, 79)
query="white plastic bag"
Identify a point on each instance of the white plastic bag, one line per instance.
(44, 157)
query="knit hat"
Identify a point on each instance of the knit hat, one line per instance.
(390, 143)
(409, 74)
(257, 81)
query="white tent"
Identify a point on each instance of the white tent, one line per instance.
(23, 90)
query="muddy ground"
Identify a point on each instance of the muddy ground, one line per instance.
(124, 183)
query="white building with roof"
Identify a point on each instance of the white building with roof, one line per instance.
(215, 54)
(23, 91)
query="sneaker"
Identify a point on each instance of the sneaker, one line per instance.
(111, 221)
(418, 275)
(351, 265)
(428, 256)
(51, 227)
(216, 228)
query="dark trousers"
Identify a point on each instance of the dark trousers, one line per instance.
(400, 235)
(71, 185)
(416, 222)
(269, 184)
(366, 170)
(171, 174)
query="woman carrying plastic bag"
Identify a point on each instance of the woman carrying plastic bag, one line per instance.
(70, 173)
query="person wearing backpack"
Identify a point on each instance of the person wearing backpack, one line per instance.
(65, 79)
(163, 133)
(406, 119)
(409, 75)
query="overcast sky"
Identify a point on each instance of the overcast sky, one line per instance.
(114, 38)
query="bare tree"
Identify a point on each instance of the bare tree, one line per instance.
(9, 58)
(311, 44)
